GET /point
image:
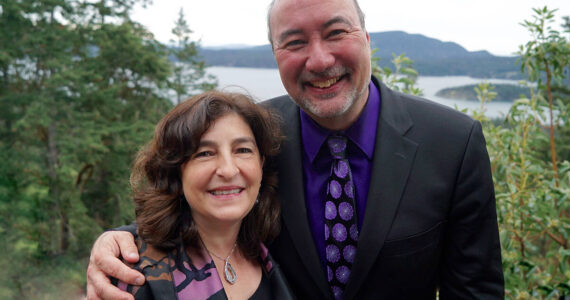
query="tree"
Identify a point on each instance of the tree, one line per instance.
(81, 88)
(546, 55)
(189, 69)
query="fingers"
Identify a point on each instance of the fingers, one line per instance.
(99, 287)
(104, 262)
(104, 257)
(127, 246)
(114, 267)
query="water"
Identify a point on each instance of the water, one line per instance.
(261, 84)
(265, 83)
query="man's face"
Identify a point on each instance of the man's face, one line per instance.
(323, 56)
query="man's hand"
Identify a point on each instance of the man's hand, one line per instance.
(104, 262)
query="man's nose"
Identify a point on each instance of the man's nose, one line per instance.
(227, 166)
(320, 58)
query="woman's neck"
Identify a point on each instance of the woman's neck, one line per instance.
(219, 238)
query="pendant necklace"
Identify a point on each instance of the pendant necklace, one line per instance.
(229, 271)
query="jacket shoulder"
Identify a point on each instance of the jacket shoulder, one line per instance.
(278, 103)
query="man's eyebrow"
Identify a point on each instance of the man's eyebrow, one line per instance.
(287, 33)
(335, 20)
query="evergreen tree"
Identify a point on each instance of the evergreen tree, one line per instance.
(81, 88)
(189, 69)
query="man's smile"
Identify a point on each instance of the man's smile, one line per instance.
(325, 83)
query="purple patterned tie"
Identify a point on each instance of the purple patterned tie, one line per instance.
(341, 232)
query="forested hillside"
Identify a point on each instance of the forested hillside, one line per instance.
(431, 57)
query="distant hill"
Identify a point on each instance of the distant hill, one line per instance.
(505, 92)
(431, 57)
(251, 57)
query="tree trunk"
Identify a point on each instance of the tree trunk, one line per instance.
(60, 208)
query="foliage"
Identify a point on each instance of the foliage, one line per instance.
(532, 194)
(546, 55)
(403, 78)
(189, 74)
(81, 89)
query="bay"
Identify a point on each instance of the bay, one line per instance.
(263, 84)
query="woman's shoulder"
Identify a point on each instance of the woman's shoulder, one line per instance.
(149, 255)
(155, 264)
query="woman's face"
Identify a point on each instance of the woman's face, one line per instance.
(222, 178)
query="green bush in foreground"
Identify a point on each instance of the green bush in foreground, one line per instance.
(532, 184)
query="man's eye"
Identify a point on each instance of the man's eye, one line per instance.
(294, 43)
(336, 32)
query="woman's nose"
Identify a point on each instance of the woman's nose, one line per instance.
(227, 166)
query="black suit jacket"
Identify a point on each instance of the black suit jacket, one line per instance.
(430, 222)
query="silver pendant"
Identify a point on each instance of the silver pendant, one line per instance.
(231, 275)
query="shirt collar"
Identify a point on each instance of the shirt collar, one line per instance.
(362, 132)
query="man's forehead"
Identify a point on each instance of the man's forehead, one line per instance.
(288, 7)
(277, 5)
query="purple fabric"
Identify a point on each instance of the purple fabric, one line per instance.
(197, 289)
(317, 162)
(191, 272)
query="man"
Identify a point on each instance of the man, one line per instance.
(423, 193)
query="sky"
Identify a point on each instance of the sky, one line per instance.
(491, 25)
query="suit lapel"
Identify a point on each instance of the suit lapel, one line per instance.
(393, 159)
(292, 196)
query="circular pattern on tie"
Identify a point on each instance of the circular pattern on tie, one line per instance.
(333, 254)
(341, 169)
(339, 232)
(330, 210)
(354, 232)
(337, 145)
(335, 189)
(337, 292)
(348, 253)
(329, 273)
(345, 211)
(342, 274)
(327, 232)
(349, 189)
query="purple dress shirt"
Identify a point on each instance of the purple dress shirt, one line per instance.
(317, 164)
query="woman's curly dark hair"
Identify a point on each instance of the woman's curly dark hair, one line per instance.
(162, 213)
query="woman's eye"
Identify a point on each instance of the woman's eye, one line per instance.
(203, 154)
(244, 150)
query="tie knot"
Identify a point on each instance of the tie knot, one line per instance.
(337, 146)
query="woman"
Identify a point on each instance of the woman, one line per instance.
(205, 202)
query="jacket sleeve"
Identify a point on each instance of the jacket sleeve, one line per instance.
(132, 228)
(471, 263)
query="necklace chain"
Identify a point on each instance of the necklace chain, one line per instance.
(227, 257)
(229, 272)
